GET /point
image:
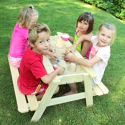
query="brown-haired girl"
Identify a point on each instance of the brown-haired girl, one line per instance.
(84, 26)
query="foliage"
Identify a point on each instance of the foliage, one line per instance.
(115, 7)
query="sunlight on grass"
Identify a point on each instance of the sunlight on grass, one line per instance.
(122, 83)
(123, 21)
(42, 4)
(84, 5)
(11, 8)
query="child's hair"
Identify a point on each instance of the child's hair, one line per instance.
(34, 30)
(86, 16)
(25, 15)
(110, 27)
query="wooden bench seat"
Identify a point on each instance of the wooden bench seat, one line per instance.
(100, 89)
(24, 103)
(30, 103)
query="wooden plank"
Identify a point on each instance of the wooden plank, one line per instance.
(44, 102)
(97, 90)
(53, 101)
(20, 98)
(68, 98)
(47, 64)
(88, 90)
(88, 70)
(103, 88)
(33, 104)
(49, 68)
(71, 78)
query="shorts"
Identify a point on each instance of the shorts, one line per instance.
(14, 61)
(41, 88)
(93, 83)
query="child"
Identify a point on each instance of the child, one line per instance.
(84, 25)
(19, 41)
(33, 78)
(100, 52)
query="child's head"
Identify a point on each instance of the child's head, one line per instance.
(39, 37)
(27, 16)
(88, 17)
(106, 33)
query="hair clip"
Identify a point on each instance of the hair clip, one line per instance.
(31, 7)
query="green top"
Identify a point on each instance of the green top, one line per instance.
(78, 48)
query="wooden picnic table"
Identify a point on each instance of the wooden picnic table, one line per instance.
(85, 75)
(27, 103)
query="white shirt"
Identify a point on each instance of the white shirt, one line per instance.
(104, 54)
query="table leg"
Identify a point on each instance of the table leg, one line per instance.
(45, 100)
(88, 90)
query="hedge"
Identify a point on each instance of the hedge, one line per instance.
(115, 7)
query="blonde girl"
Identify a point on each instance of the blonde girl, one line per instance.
(19, 40)
(100, 52)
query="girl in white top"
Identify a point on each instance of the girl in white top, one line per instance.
(99, 55)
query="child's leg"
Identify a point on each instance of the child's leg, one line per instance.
(57, 90)
(39, 96)
(73, 90)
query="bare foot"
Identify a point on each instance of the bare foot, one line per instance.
(70, 93)
(39, 97)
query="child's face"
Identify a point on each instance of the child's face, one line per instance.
(34, 20)
(105, 37)
(42, 43)
(83, 26)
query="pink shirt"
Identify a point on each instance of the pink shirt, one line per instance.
(19, 42)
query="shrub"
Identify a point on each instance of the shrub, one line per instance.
(115, 7)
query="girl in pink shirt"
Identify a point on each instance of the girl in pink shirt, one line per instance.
(19, 40)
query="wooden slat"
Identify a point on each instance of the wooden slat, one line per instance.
(49, 68)
(33, 104)
(103, 88)
(68, 98)
(20, 98)
(71, 78)
(97, 90)
(44, 102)
(88, 90)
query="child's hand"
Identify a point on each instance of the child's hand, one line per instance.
(70, 57)
(53, 55)
(72, 48)
(60, 69)
(52, 49)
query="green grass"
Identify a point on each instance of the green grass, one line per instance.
(61, 16)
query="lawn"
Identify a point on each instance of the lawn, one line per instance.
(61, 15)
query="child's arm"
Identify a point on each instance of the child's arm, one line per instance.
(51, 54)
(80, 39)
(83, 61)
(71, 39)
(85, 48)
(49, 77)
